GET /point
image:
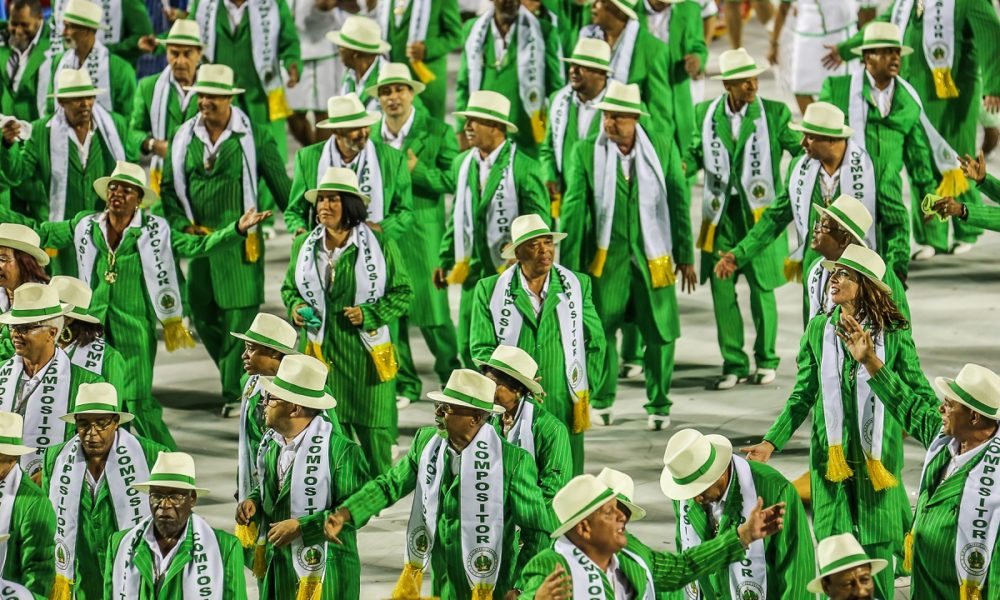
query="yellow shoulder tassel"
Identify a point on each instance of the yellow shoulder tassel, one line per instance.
(277, 105)
(459, 273)
(793, 270)
(52, 252)
(155, 177)
(310, 588)
(661, 272)
(836, 465)
(62, 589)
(969, 591)
(384, 357)
(597, 265)
(246, 534)
(881, 478)
(555, 207)
(944, 83)
(538, 126)
(423, 73)
(251, 247)
(757, 212)
(908, 552)
(175, 335)
(706, 237)
(581, 413)
(953, 184)
(259, 567)
(409, 583)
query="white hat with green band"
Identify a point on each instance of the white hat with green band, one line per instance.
(347, 112)
(851, 214)
(693, 462)
(624, 487)
(577, 500)
(976, 387)
(84, 13)
(591, 53)
(74, 83)
(490, 106)
(622, 98)
(184, 32)
(271, 332)
(865, 262)
(528, 227)
(470, 389)
(33, 303)
(301, 380)
(839, 553)
(24, 239)
(737, 64)
(361, 34)
(516, 363)
(131, 174)
(337, 179)
(391, 73)
(172, 470)
(97, 399)
(76, 293)
(11, 430)
(628, 7)
(882, 35)
(823, 118)
(215, 80)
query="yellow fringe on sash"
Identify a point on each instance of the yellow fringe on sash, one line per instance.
(908, 552)
(386, 365)
(52, 252)
(314, 350)
(661, 272)
(953, 184)
(881, 478)
(62, 589)
(409, 583)
(482, 592)
(459, 273)
(581, 412)
(969, 591)
(251, 247)
(836, 465)
(944, 84)
(424, 74)
(757, 212)
(175, 335)
(277, 105)
(259, 566)
(310, 588)
(597, 265)
(706, 237)
(538, 121)
(155, 179)
(793, 270)
(555, 207)
(246, 534)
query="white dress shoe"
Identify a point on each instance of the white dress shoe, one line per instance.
(402, 402)
(764, 376)
(657, 422)
(605, 417)
(727, 382)
(630, 370)
(924, 253)
(961, 248)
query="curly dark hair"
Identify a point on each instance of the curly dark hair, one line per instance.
(84, 333)
(877, 308)
(31, 271)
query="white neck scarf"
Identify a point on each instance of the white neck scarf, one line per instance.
(89, 357)
(358, 83)
(621, 54)
(588, 581)
(817, 288)
(98, 66)
(368, 168)
(8, 494)
(159, 111)
(48, 401)
(59, 144)
(126, 464)
(938, 40)
(520, 432)
(658, 22)
(247, 476)
(14, 591)
(559, 120)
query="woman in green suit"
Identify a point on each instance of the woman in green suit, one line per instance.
(344, 286)
(22, 260)
(856, 459)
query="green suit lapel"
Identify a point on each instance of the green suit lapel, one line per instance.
(337, 294)
(493, 179)
(522, 300)
(183, 556)
(698, 519)
(723, 128)
(954, 485)
(142, 558)
(747, 125)
(634, 573)
(37, 56)
(416, 139)
(553, 298)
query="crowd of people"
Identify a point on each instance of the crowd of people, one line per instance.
(560, 202)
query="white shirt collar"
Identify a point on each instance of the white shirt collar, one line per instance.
(539, 300)
(162, 563)
(364, 76)
(960, 460)
(396, 140)
(882, 98)
(235, 13)
(233, 126)
(491, 158)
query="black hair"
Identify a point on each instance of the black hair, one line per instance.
(353, 211)
(506, 380)
(84, 333)
(35, 6)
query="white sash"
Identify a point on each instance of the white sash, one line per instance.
(89, 357)
(588, 583)
(8, 495)
(98, 66)
(350, 83)
(420, 14)
(621, 54)
(309, 283)
(816, 284)
(48, 401)
(310, 493)
(247, 476)
(421, 527)
(59, 144)
(203, 575)
(126, 464)
(559, 121)
(370, 279)
(14, 591)
(520, 432)
(747, 577)
(938, 39)
(159, 111)
(500, 213)
(368, 169)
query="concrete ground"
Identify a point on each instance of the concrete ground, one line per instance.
(955, 321)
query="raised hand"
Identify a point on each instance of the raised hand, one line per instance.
(250, 218)
(974, 169)
(832, 60)
(762, 522)
(759, 452)
(857, 341)
(557, 586)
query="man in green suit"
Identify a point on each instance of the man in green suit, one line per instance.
(509, 50)
(55, 181)
(81, 21)
(22, 59)
(547, 311)
(739, 141)
(164, 101)
(726, 494)
(174, 554)
(306, 471)
(31, 522)
(429, 150)
(525, 423)
(123, 28)
(953, 70)
(92, 495)
(382, 171)
(494, 183)
(423, 34)
(845, 571)
(217, 160)
(471, 544)
(590, 547)
(630, 184)
(361, 50)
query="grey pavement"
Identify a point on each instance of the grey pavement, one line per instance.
(953, 301)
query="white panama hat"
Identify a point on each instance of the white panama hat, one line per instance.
(629, 7)
(215, 80)
(391, 73)
(976, 387)
(470, 389)
(737, 64)
(516, 363)
(11, 430)
(301, 380)
(77, 294)
(184, 32)
(271, 332)
(693, 462)
(347, 112)
(97, 399)
(491, 106)
(577, 500)
(591, 53)
(362, 34)
(172, 470)
(74, 83)
(622, 98)
(337, 179)
(823, 118)
(851, 214)
(624, 487)
(131, 174)
(839, 553)
(25, 239)
(34, 303)
(865, 261)
(85, 13)
(528, 227)
(882, 35)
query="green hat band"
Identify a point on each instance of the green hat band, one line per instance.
(91, 406)
(591, 59)
(14, 441)
(346, 118)
(622, 103)
(895, 43)
(340, 187)
(502, 365)
(81, 311)
(860, 268)
(487, 111)
(180, 37)
(971, 400)
(128, 179)
(738, 70)
(451, 393)
(701, 470)
(76, 88)
(374, 48)
(82, 20)
(820, 129)
(213, 84)
(297, 389)
(171, 477)
(263, 339)
(840, 562)
(392, 80)
(36, 312)
(854, 227)
(583, 512)
(532, 234)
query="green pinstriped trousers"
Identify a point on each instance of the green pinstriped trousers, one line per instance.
(729, 324)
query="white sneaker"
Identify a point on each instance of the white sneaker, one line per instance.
(657, 422)
(269, 232)
(727, 382)
(605, 417)
(961, 248)
(924, 253)
(402, 402)
(630, 370)
(230, 410)
(764, 376)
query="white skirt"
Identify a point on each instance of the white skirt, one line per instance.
(319, 82)
(808, 72)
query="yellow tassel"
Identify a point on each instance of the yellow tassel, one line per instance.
(62, 589)
(757, 212)
(423, 73)
(409, 583)
(706, 237)
(459, 273)
(259, 566)
(836, 465)
(246, 534)
(944, 84)
(251, 247)
(310, 588)
(597, 264)
(793, 270)
(803, 487)
(386, 365)
(908, 552)
(661, 272)
(581, 412)
(953, 184)
(969, 591)
(555, 207)
(881, 478)
(175, 335)
(52, 252)
(314, 350)
(155, 179)
(538, 119)
(482, 592)
(277, 105)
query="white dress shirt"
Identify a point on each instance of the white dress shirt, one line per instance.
(22, 62)
(625, 160)
(735, 122)
(235, 13)
(623, 588)
(160, 562)
(286, 457)
(882, 98)
(537, 301)
(585, 113)
(94, 484)
(328, 259)
(501, 42)
(26, 386)
(486, 164)
(828, 183)
(83, 148)
(960, 460)
(396, 140)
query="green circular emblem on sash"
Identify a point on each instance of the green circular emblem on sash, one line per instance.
(974, 558)
(61, 555)
(751, 591)
(483, 561)
(166, 300)
(310, 558)
(938, 51)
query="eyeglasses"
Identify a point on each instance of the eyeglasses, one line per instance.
(99, 426)
(843, 274)
(271, 400)
(176, 499)
(25, 329)
(126, 189)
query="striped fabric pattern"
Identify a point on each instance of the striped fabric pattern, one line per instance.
(31, 547)
(552, 450)
(140, 118)
(122, 76)
(23, 103)
(980, 215)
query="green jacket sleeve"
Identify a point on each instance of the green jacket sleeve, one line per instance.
(991, 188)
(449, 36)
(804, 395)
(482, 334)
(694, 35)
(538, 568)
(844, 48)
(772, 223)
(169, 202)
(187, 245)
(446, 254)
(109, 562)
(673, 571)
(532, 514)
(232, 558)
(298, 209)
(37, 528)
(532, 197)
(982, 17)
(905, 393)
(552, 442)
(789, 139)
(575, 206)
(694, 158)
(395, 302)
(289, 291)
(462, 83)
(135, 24)
(19, 161)
(593, 331)
(122, 85)
(553, 66)
(436, 177)
(985, 215)
(400, 216)
(791, 549)
(139, 125)
(389, 487)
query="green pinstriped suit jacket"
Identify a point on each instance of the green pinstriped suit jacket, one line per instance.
(444, 35)
(23, 103)
(546, 152)
(140, 119)
(552, 456)
(31, 547)
(986, 216)
(122, 83)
